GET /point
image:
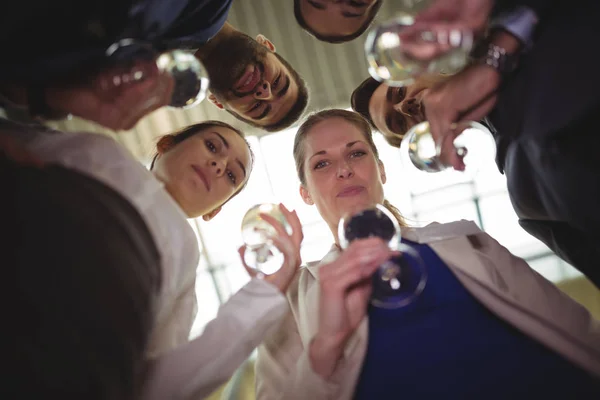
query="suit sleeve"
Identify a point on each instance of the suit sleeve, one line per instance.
(540, 7)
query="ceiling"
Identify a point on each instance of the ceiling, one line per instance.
(331, 72)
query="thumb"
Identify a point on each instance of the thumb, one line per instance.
(251, 271)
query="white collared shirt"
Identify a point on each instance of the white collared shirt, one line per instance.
(179, 369)
(104, 159)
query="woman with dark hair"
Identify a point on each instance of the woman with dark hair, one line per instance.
(195, 172)
(486, 326)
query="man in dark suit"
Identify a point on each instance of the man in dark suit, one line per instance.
(55, 61)
(542, 95)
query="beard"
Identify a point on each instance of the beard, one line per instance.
(227, 63)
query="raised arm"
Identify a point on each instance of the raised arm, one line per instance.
(313, 366)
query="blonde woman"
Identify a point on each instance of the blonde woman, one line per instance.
(486, 325)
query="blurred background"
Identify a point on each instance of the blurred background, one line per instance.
(331, 72)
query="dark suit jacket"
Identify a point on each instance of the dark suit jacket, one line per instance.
(44, 41)
(546, 119)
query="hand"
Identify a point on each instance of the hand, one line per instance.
(141, 89)
(345, 289)
(450, 24)
(288, 244)
(467, 96)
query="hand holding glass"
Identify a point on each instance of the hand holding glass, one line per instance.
(188, 73)
(398, 50)
(261, 253)
(402, 278)
(466, 148)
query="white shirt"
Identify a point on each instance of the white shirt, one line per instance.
(198, 367)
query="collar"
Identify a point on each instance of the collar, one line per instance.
(431, 233)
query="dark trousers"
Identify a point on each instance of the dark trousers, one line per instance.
(81, 274)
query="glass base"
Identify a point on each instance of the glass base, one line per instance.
(399, 281)
(265, 259)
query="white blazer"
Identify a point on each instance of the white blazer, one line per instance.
(505, 284)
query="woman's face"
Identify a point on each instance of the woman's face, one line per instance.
(342, 173)
(205, 170)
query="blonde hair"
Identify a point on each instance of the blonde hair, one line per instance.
(355, 119)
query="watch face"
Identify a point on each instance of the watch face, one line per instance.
(497, 58)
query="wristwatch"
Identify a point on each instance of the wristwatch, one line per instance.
(496, 57)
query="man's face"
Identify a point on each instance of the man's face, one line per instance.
(249, 80)
(336, 18)
(394, 110)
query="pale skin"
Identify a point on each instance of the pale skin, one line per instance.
(204, 171)
(470, 94)
(288, 244)
(467, 96)
(342, 175)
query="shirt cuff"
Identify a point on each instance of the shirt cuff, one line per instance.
(520, 22)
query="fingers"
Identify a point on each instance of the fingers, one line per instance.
(283, 277)
(294, 221)
(292, 218)
(357, 263)
(290, 252)
(447, 152)
(279, 228)
(438, 111)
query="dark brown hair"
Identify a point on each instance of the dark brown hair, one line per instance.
(335, 38)
(189, 131)
(294, 113)
(361, 96)
(349, 116)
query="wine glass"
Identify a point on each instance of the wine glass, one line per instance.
(399, 280)
(472, 141)
(189, 74)
(397, 52)
(261, 254)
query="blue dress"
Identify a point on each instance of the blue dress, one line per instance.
(447, 345)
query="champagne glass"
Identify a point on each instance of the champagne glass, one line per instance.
(261, 253)
(189, 74)
(397, 52)
(473, 143)
(399, 280)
